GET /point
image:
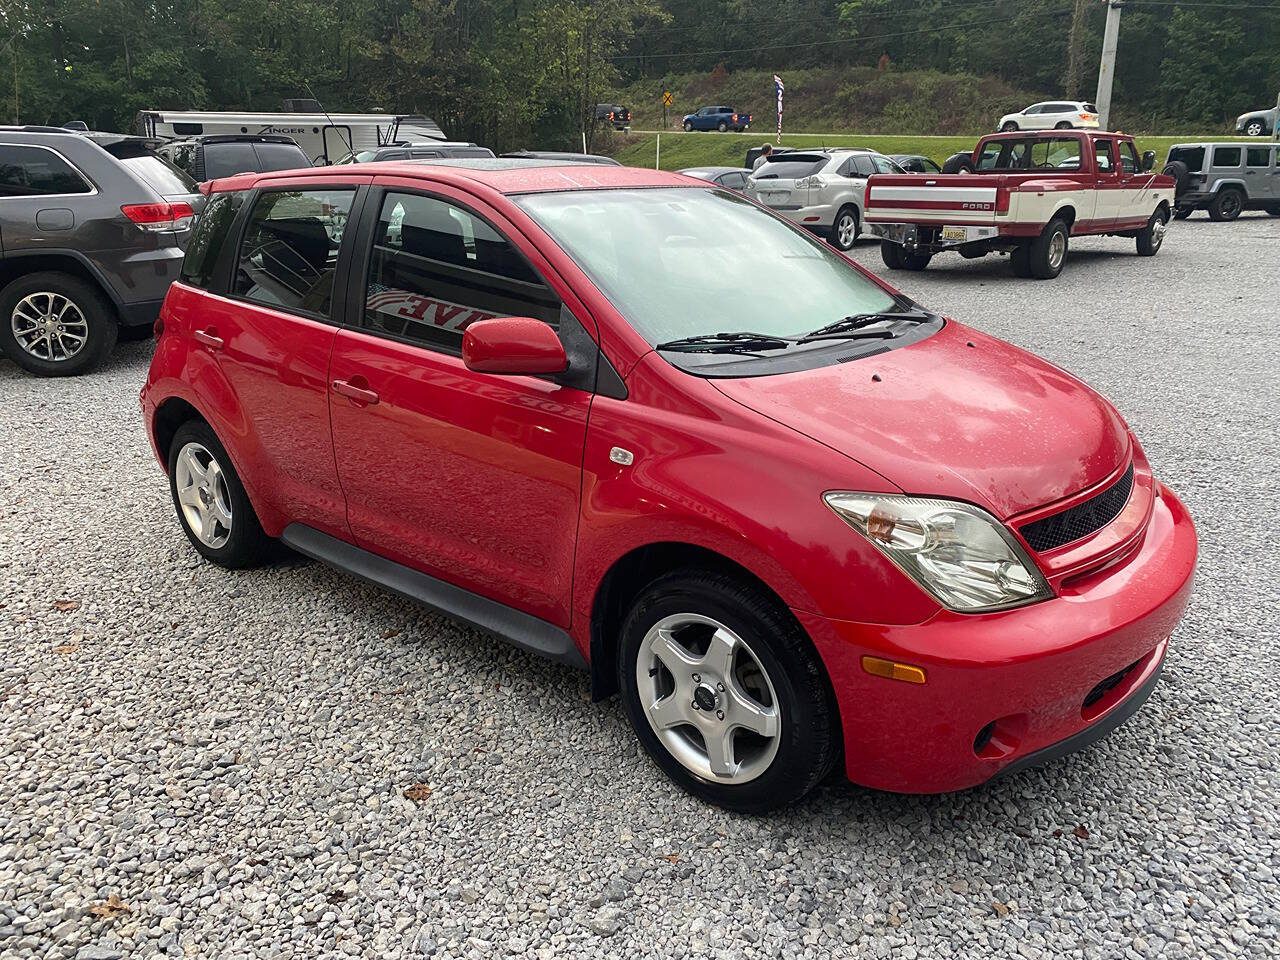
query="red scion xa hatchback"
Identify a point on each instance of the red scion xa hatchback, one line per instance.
(640, 424)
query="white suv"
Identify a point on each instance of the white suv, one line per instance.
(1052, 115)
(821, 190)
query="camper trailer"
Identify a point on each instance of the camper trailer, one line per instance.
(324, 137)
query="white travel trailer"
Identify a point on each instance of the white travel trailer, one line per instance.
(324, 137)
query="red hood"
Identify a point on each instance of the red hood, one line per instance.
(959, 415)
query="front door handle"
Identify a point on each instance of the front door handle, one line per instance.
(209, 338)
(355, 392)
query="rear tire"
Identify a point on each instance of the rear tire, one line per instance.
(211, 503)
(1047, 253)
(723, 128)
(768, 677)
(846, 228)
(1152, 235)
(1226, 205)
(1063, 125)
(891, 254)
(55, 325)
(958, 163)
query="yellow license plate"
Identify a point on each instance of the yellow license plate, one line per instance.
(955, 233)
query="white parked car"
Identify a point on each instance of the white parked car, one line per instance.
(1052, 115)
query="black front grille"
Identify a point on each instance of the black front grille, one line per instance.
(1082, 519)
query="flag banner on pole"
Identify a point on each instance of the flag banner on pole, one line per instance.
(777, 83)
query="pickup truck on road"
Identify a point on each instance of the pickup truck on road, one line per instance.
(1027, 194)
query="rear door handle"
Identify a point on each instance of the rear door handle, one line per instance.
(209, 338)
(353, 392)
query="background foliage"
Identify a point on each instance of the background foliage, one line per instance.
(513, 73)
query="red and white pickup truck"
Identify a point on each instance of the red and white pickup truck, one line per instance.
(1027, 194)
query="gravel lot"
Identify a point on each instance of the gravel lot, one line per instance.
(211, 764)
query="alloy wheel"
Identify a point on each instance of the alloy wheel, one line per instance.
(1231, 205)
(49, 326)
(1057, 249)
(1158, 227)
(846, 231)
(708, 698)
(1254, 129)
(203, 495)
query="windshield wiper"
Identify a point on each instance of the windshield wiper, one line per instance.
(859, 320)
(741, 342)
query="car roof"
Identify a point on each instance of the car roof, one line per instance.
(236, 138)
(713, 171)
(500, 174)
(100, 137)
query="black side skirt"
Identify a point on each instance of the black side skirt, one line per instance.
(514, 626)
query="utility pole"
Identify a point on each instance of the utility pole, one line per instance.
(1107, 69)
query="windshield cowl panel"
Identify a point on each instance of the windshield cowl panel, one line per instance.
(692, 262)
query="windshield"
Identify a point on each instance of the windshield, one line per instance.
(688, 261)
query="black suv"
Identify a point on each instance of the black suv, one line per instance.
(211, 157)
(93, 227)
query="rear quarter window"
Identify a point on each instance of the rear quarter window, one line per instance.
(209, 238)
(154, 170)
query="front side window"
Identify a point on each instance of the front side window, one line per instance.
(1259, 157)
(436, 269)
(680, 262)
(208, 238)
(37, 172)
(1226, 156)
(1102, 150)
(1129, 161)
(290, 249)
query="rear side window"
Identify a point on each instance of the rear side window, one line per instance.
(290, 249)
(1226, 156)
(1259, 157)
(37, 172)
(208, 238)
(436, 269)
(1056, 153)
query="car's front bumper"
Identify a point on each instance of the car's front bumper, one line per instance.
(1008, 689)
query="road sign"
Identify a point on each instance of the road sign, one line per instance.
(666, 98)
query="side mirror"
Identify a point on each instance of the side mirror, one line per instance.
(1148, 159)
(513, 345)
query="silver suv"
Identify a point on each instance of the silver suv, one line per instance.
(821, 190)
(1224, 178)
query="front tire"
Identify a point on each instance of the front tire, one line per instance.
(726, 692)
(845, 230)
(55, 325)
(1152, 235)
(1008, 127)
(1226, 205)
(1048, 252)
(1255, 128)
(212, 506)
(688, 127)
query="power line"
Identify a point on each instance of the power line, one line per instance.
(823, 43)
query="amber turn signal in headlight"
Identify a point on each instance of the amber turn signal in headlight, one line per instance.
(892, 671)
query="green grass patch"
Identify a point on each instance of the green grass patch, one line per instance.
(681, 150)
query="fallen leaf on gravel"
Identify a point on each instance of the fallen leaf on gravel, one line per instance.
(65, 606)
(418, 792)
(388, 634)
(114, 906)
(1082, 832)
(672, 858)
(67, 647)
(1000, 908)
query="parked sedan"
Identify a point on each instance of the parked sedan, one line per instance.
(1259, 123)
(735, 178)
(797, 521)
(821, 190)
(1052, 115)
(915, 163)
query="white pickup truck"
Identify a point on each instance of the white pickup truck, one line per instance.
(1027, 194)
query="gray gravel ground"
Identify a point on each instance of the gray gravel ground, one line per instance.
(202, 763)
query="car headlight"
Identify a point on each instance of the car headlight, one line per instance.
(960, 554)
